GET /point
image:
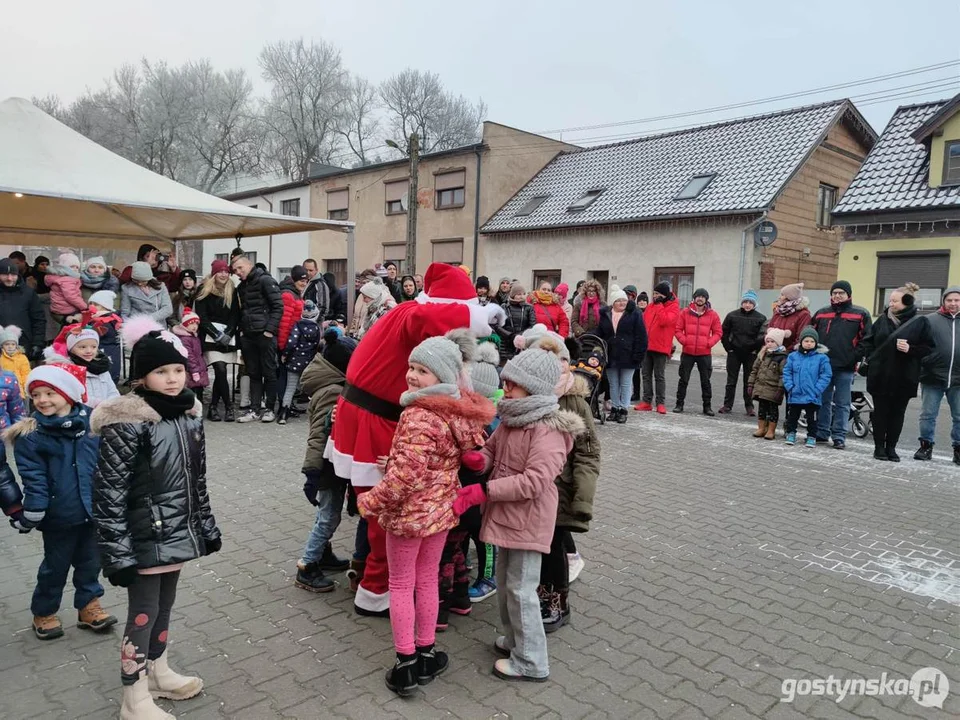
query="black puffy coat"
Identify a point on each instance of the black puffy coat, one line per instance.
(890, 372)
(520, 318)
(212, 309)
(150, 488)
(261, 304)
(20, 306)
(743, 331)
(627, 345)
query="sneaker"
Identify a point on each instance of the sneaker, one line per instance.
(811, 442)
(724, 410)
(268, 417)
(643, 407)
(791, 439)
(839, 445)
(248, 416)
(47, 627)
(575, 564)
(662, 409)
(506, 670)
(482, 588)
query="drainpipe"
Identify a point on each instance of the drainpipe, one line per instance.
(743, 247)
(476, 218)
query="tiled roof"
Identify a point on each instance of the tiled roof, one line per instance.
(752, 158)
(894, 177)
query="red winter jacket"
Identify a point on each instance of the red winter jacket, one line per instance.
(554, 317)
(661, 322)
(698, 333)
(794, 323)
(292, 310)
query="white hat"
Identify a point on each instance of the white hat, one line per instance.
(86, 333)
(96, 260)
(68, 260)
(106, 298)
(616, 294)
(10, 333)
(189, 316)
(59, 379)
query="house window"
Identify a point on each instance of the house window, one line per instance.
(339, 269)
(826, 199)
(396, 195)
(222, 256)
(395, 252)
(951, 163)
(542, 276)
(282, 272)
(290, 207)
(338, 204)
(531, 205)
(449, 187)
(928, 269)
(680, 279)
(695, 185)
(448, 251)
(585, 200)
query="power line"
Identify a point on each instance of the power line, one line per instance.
(762, 101)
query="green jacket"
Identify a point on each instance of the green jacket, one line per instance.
(766, 378)
(324, 383)
(577, 483)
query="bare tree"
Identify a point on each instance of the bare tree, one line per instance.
(307, 98)
(417, 102)
(360, 121)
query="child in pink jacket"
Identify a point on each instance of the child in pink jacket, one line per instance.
(526, 454)
(414, 501)
(66, 298)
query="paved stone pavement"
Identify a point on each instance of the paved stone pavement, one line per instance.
(718, 566)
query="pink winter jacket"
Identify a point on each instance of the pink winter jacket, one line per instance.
(525, 462)
(65, 295)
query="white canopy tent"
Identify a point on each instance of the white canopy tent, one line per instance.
(57, 187)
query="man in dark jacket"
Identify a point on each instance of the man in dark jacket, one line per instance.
(940, 374)
(20, 306)
(317, 288)
(742, 337)
(392, 280)
(261, 307)
(842, 327)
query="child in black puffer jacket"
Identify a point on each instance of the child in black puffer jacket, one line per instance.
(299, 352)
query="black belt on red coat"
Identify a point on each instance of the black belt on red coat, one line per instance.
(371, 403)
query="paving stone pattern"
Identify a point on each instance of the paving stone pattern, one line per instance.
(717, 567)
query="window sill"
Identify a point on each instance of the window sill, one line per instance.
(395, 213)
(450, 207)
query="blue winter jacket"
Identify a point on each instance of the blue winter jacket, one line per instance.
(806, 375)
(56, 458)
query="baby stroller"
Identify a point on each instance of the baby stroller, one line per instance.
(860, 421)
(590, 363)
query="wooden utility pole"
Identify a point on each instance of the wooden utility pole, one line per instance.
(413, 149)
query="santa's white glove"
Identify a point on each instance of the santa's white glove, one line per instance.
(497, 315)
(484, 317)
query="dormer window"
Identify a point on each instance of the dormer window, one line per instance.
(695, 185)
(951, 163)
(585, 200)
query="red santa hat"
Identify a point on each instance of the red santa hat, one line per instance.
(447, 283)
(69, 381)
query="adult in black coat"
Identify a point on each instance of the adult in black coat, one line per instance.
(20, 306)
(894, 349)
(743, 331)
(261, 307)
(623, 330)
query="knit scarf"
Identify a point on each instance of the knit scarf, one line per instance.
(93, 282)
(788, 307)
(64, 271)
(526, 411)
(587, 306)
(544, 298)
(411, 396)
(169, 407)
(98, 366)
(72, 425)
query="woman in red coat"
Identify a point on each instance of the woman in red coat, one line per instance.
(660, 318)
(790, 313)
(548, 312)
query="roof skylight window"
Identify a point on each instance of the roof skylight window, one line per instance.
(586, 200)
(531, 205)
(696, 185)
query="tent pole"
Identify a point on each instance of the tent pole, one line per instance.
(351, 274)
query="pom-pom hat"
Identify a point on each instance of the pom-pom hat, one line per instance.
(536, 370)
(444, 356)
(79, 334)
(10, 333)
(189, 316)
(153, 346)
(483, 370)
(778, 335)
(104, 298)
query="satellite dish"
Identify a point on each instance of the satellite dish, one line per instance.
(404, 202)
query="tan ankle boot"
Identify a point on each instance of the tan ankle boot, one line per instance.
(93, 617)
(165, 683)
(138, 703)
(771, 431)
(761, 428)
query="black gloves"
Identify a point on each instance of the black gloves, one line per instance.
(862, 369)
(19, 523)
(311, 487)
(223, 340)
(124, 577)
(36, 353)
(213, 546)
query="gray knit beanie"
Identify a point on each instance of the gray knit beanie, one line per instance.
(141, 271)
(483, 371)
(536, 370)
(531, 338)
(444, 356)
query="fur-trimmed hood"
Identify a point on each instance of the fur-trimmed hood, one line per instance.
(580, 386)
(566, 422)
(470, 406)
(22, 427)
(129, 408)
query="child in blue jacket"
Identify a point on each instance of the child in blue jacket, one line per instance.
(806, 375)
(56, 457)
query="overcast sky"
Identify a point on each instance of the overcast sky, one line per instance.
(538, 65)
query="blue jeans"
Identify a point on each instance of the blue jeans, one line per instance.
(518, 574)
(621, 385)
(62, 548)
(329, 510)
(835, 407)
(931, 397)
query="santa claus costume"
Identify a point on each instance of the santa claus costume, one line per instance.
(369, 408)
